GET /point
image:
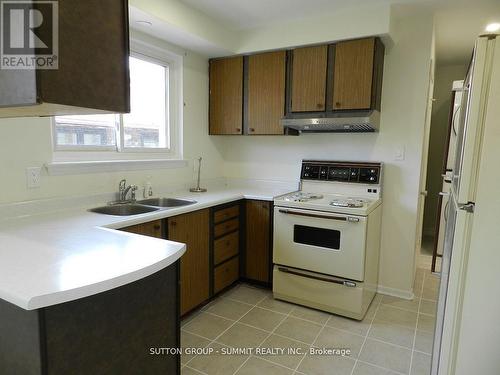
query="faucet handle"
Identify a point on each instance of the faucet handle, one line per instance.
(123, 185)
(133, 189)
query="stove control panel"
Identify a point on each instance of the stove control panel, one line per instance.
(361, 173)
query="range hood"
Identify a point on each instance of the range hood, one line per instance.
(337, 122)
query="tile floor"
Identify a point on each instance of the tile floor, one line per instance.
(394, 338)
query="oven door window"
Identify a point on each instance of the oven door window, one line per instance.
(321, 237)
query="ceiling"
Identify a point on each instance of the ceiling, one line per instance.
(458, 22)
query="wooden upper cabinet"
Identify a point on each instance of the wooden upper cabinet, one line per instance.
(226, 96)
(309, 72)
(356, 72)
(93, 70)
(266, 92)
(193, 230)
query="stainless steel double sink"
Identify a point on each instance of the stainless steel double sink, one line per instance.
(142, 207)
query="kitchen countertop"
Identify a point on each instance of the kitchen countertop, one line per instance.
(55, 257)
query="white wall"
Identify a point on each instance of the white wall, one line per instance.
(445, 75)
(404, 97)
(26, 142)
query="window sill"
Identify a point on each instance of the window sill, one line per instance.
(77, 167)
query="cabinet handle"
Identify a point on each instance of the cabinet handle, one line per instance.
(252, 130)
(238, 130)
(173, 223)
(319, 105)
(337, 104)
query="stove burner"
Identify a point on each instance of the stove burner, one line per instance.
(349, 202)
(303, 197)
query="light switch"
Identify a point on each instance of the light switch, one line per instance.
(399, 153)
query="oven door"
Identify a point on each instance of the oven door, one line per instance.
(324, 242)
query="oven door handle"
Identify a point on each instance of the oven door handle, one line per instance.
(318, 216)
(347, 283)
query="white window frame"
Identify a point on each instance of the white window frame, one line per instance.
(87, 155)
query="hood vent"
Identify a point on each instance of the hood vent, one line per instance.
(345, 122)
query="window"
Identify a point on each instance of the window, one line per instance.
(149, 131)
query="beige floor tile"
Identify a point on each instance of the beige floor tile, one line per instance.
(190, 317)
(242, 336)
(410, 305)
(392, 333)
(247, 294)
(189, 371)
(386, 355)
(351, 325)
(312, 315)
(276, 305)
(288, 359)
(367, 369)
(326, 365)
(421, 364)
(216, 363)
(258, 366)
(426, 322)
(298, 329)
(207, 325)
(189, 340)
(430, 293)
(428, 307)
(424, 341)
(370, 313)
(228, 308)
(334, 338)
(264, 319)
(394, 315)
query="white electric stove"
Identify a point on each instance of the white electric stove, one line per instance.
(327, 238)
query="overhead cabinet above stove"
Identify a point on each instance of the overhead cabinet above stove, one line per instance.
(92, 53)
(330, 87)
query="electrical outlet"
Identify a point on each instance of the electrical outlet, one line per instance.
(33, 177)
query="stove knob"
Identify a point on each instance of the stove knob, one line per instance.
(372, 178)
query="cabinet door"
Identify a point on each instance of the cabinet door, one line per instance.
(226, 96)
(151, 229)
(193, 230)
(309, 68)
(353, 74)
(266, 93)
(258, 252)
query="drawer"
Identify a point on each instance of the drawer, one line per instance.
(226, 274)
(226, 213)
(226, 227)
(226, 247)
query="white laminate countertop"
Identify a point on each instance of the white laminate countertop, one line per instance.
(51, 258)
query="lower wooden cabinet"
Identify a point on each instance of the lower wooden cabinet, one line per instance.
(258, 241)
(151, 229)
(226, 245)
(193, 230)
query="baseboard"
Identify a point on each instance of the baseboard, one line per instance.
(400, 293)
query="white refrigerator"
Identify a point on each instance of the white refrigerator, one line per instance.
(468, 311)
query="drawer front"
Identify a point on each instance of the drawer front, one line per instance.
(226, 274)
(226, 213)
(226, 227)
(226, 247)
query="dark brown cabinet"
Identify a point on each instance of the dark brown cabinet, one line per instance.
(357, 74)
(92, 74)
(266, 93)
(308, 79)
(258, 241)
(226, 96)
(193, 230)
(226, 246)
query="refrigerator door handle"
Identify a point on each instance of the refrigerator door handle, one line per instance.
(469, 207)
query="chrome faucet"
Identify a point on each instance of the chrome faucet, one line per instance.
(123, 191)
